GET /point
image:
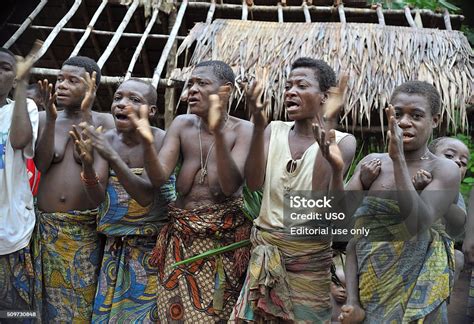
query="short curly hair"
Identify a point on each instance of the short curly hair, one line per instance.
(324, 73)
(87, 63)
(423, 89)
(220, 69)
(151, 95)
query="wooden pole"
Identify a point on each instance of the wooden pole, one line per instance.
(245, 10)
(409, 17)
(380, 16)
(140, 44)
(307, 15)
(104, 79)
(25, 24)
(280, 12)
(47, 43)
(166, 50)
(100, 32)
(211, 11)
(89, 29)
(118, 34)
(447, 20)
(170, 93)
(342, 15)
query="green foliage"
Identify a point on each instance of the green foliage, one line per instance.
(469, 32)
(252, 202)
(468, 181)
(435, 5)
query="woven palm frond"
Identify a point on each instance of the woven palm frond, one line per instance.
(378, 58)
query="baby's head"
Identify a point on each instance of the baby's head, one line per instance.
(338, 290)
(452, 149)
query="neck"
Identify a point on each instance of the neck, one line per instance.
(303, 128)
(420, 154)
(72, 112)
(129, 138)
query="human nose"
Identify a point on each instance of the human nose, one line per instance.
(404, 121)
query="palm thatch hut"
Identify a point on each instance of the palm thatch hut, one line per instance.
(259, 38)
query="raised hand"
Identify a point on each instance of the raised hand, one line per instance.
(394, 134)
(217, 110)
(421, 179)
(47, 99)
(98, 141)
(257, 109)
(24, 65)
(89, 97)
(141, 123)
(328, 147)
(369, 171)
(82, 146)
(335, 99)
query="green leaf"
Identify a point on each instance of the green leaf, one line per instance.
(213, 252)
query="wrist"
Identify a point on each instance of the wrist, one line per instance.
(89, 180)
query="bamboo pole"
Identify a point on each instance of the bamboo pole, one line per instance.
(140, 44)
(174, 32)
(316, 9)
(118, 34)
(104, 79)
(307, 16)
(342, 15)
(47, 43)
(280, 12)
(143, 54)
(25, 24)
(409, 17)
(245, 10)
(101, 32)
(211, 11)
(447, 20)
(380, 16)
(89, 28)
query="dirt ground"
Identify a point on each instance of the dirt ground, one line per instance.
(458, 302)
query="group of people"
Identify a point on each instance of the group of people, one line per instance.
(120, 202)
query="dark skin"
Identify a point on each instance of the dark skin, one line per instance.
(304, 102)
(226, 161)
(123, 147)
(410, 126)
(61, 188)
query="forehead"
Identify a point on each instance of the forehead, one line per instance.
(7, 58)
(305, 73)
(204, 72)
(409, 100)
(73, 70)
(134, 86)
(453, 144)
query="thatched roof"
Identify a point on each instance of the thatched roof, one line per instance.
(378, 58)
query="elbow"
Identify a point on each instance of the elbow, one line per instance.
(19, 144)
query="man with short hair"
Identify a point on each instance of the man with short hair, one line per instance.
(18, 131)
(207, 213)
(67, 249)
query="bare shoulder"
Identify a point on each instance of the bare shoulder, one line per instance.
(104, 119)
(158, 133)
(240, 125)
(445, 168)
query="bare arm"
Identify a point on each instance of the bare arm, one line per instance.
(468, 244)
(256, 160)
(47, 125)
(21, 132)
(139, 188)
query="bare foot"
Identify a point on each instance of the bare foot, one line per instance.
(351, 314)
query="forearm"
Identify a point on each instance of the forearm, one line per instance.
(455, 220)
(418, 216)
(255, 164)
(94, 189)
(137, 187)
(21, 132)
(230, 178)
(153, 167)
(351, 273)
(44, 152)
